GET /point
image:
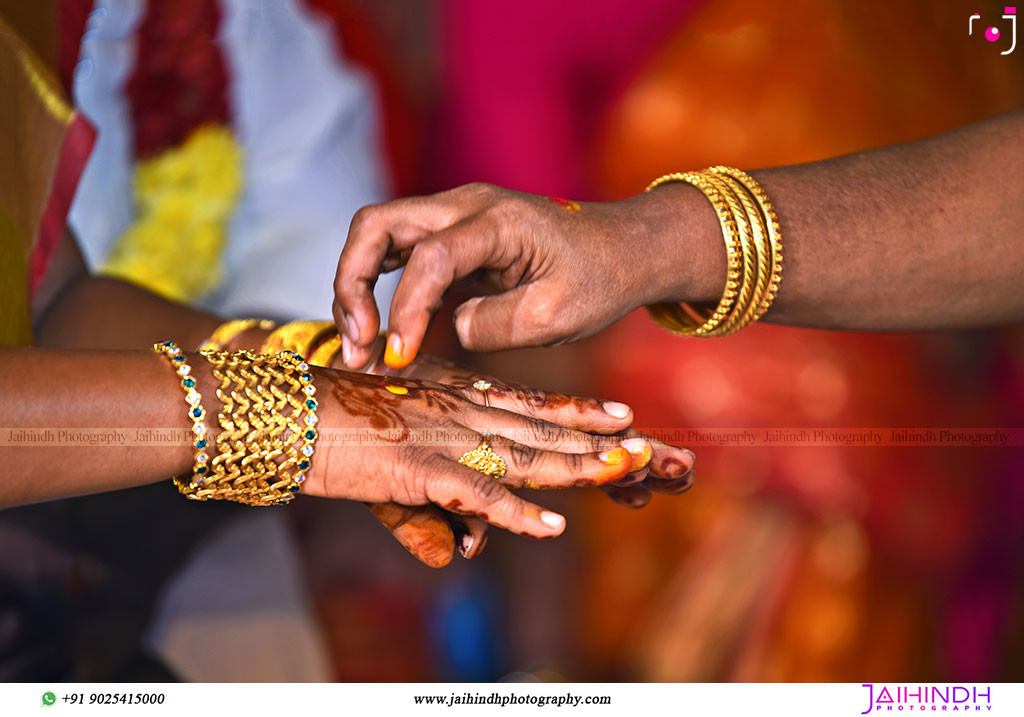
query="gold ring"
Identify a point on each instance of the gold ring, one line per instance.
(482, 386)
(483, 459)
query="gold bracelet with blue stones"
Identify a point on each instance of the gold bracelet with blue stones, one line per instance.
(196, 413)
(268, 427)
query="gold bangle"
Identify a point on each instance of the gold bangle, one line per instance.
(196, 413)
(774, 231)
(326, 352)
(300, 337)
(681, 318)
(750, 266)
(226, 332)
(268, 429)
(761, 247)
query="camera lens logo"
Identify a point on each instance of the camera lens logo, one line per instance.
(993, 34)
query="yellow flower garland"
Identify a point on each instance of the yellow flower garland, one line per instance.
(184, 198)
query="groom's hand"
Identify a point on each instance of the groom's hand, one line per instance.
(564, 270)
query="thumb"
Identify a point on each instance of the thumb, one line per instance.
(513, 319)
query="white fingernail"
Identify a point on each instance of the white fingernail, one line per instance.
(466, 544)
(636, 446)
(614, 408)
(346, 349)
(552, 520)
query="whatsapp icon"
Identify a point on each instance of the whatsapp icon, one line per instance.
(49, 698)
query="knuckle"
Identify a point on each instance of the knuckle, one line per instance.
(432, 254)
(524, 458)
(544, 432)
(541, 310)
(488, 491)
(574, 464)
(478, 189)
(507, 209)
(364, 217)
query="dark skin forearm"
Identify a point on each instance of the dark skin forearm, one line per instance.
(925, 235)
(76, 310)
(59, 395)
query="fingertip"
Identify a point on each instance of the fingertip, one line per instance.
(397, 355)
(554, 522)
(632, 497)
(616, 464)
(640, 451)
(617, 410)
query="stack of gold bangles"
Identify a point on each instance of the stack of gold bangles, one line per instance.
(268, 426)
(267, 417)
(753, 244)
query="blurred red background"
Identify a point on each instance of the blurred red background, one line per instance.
(783, 563)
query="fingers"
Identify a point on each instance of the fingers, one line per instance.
(530, 467)
(470, 534)
(537, 433)
(463, 490)
(671, 486)
(582, 414)
(435, 264)
(635, 496)
(667, 461)
(374, 232)
(494, 323)
(423, 531)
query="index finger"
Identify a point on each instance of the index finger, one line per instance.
(580, 413)
(375, 231)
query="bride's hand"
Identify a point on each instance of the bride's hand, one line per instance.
(656, 466)
(391, 439)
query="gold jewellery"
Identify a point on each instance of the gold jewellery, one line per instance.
(485, 460)
(483, 386)
(300, 337)
(196, 413)
(268, 424)
(226, 332)
(753, 245)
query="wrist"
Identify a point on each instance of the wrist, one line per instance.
(679, 228)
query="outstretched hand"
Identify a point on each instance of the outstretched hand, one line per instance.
(564, 270)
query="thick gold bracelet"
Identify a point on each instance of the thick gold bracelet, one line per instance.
(300, 337)
(268, 429)
(681, 318)
(226, 332)
(196, 412)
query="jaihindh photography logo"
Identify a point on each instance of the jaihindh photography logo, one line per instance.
(927, 698)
